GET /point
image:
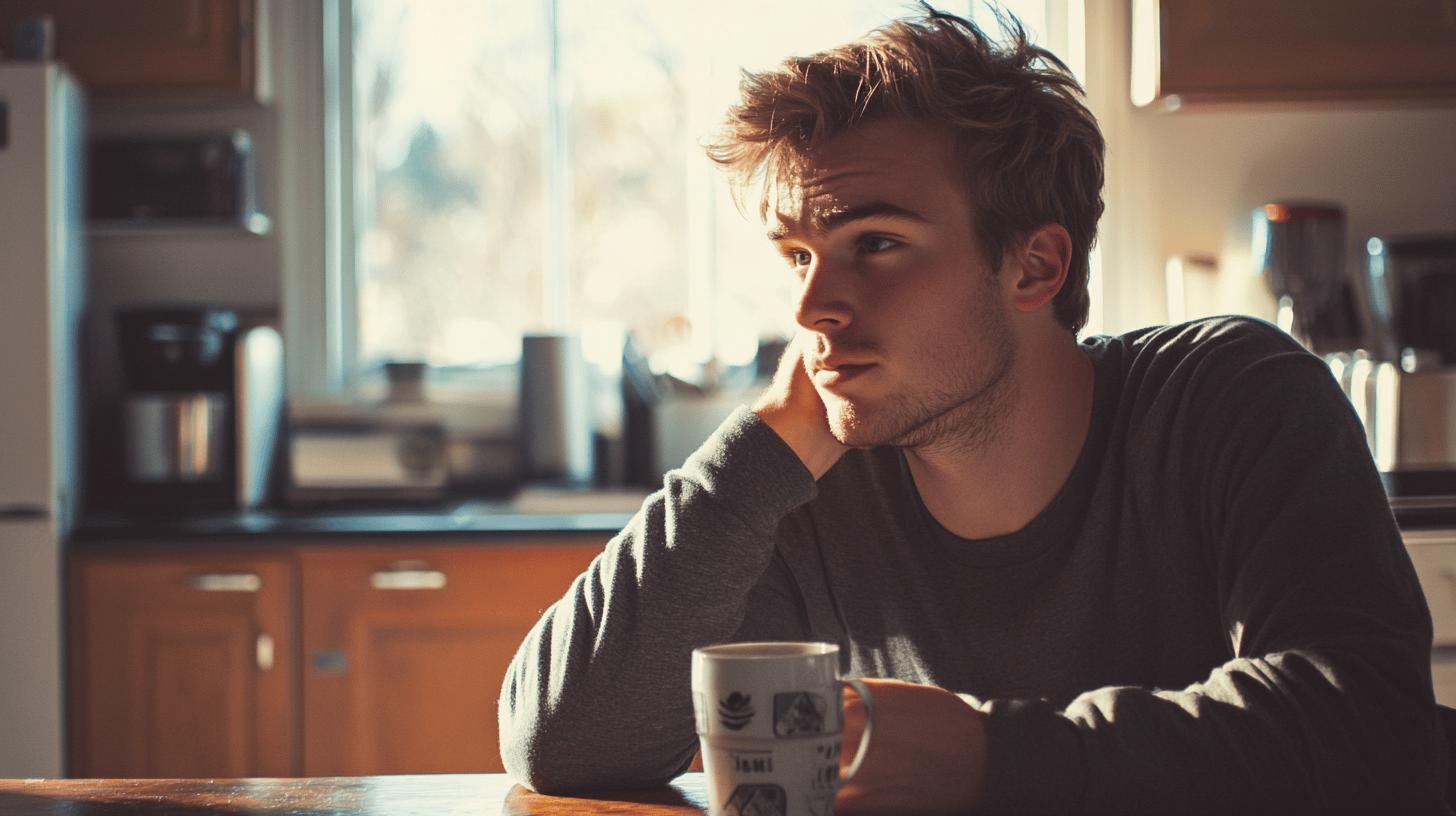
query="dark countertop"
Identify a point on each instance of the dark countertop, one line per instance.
(1424, 512)
(537, 513)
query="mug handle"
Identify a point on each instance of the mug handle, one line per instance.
(869, 727)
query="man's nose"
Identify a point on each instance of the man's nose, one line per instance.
(825, 302)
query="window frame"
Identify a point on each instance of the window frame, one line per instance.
(315, 196)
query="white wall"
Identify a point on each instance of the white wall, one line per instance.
(1187, 181)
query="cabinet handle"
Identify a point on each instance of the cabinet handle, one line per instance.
(264, 652)
(225, 582)
(330, 661)
(407, 578)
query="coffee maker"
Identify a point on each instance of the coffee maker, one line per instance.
(1411, 394)
(1299, 248)
(202, 407)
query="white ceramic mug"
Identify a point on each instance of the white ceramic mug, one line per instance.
(769, 718)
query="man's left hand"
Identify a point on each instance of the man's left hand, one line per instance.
(927, 752)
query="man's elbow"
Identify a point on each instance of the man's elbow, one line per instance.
(562, 773)
(543, 764)
(560, 767)
(534, 769)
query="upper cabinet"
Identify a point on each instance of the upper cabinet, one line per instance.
(1255, 50)
(151, 48)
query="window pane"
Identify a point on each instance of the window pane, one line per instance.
(624, 104)
(450, 122)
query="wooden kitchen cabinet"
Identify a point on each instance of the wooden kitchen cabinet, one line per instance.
(193, 48)
(1239, 51)
(184, 666)
(313, 660)
(405, 649)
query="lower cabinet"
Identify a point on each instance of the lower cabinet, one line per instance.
(315, 660)
(184, 666)
(404, 651)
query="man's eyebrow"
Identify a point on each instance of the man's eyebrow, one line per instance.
(838, 218)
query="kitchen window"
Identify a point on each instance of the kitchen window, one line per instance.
(516, 166)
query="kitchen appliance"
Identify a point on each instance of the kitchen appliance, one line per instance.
(1409, 398)
(1299, 248)
(370, 456)
(202, 408)
(42, 297)
(403, 442)
(208, 178)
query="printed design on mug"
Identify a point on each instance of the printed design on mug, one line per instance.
(735, 711)
(821, 803)
(757, 800)
(799, 712)
(752, 762)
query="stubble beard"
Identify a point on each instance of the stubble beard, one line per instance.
(964, 415)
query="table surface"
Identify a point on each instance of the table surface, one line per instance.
(442, 795)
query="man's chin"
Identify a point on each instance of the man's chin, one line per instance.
(856, 428)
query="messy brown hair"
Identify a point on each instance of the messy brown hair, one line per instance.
(1029, 150)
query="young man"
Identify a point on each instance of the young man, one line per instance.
(1148, 573)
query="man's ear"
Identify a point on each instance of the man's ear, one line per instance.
(1042, 260)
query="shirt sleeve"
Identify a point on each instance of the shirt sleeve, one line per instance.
(598, 694)
(1326, 703)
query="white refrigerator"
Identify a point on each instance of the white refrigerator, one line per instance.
(42, 286)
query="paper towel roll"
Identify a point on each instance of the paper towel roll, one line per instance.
(555, 415)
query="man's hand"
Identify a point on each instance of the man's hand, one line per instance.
(927, 753)
(793, 409)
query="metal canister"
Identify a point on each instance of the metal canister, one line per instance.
(175, 437)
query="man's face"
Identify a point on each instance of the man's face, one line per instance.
(912, 343)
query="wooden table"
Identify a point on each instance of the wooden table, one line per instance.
(357, 796)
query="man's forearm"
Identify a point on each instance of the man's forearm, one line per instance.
(598, 692)
(1287, 732)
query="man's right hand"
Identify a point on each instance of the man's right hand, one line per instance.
(792, 407)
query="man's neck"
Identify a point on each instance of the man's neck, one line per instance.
(998, 487)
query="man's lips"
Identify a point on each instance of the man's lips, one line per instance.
(838, 373)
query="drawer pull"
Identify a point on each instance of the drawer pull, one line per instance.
(226, 582)
(408, 579)
(264, 652)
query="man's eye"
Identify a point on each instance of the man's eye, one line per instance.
(797, 257)
(877, 243)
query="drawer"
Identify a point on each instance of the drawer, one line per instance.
(1433, 552)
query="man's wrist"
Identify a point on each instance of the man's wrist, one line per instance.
(807, 442)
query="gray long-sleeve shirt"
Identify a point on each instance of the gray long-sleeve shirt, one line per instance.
(1215, 611)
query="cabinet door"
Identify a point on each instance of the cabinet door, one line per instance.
(1433, 554)
(405, 649)
(150, 47)
(1249, 50)
(184, 666)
